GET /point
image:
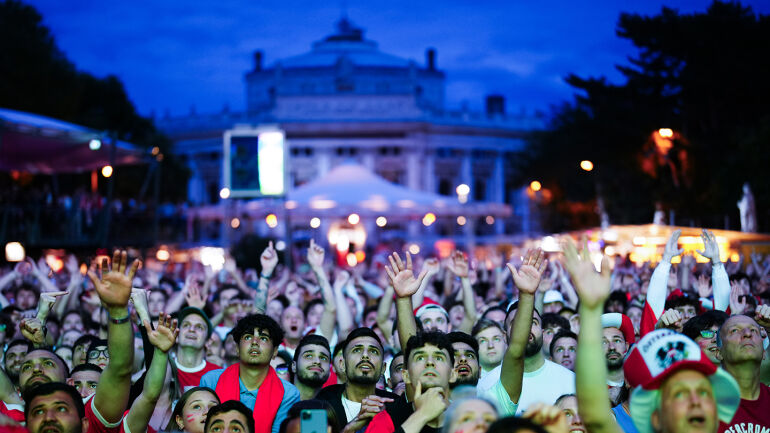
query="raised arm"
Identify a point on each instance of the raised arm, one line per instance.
(459, 266)
(590, 366)
(383, 312)
(719, 279)
(268, 260)
(315, 258)
(656, 292)
(344, 315)
(527, 279)
(405, 285)
(432, 266)
(114, 289)
(162, 338)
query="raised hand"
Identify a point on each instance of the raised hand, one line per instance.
(164, 336)
(670, 319)
(139, 299)
(268, 260)
(553, 419)
(432, 266)
(32, 330)
(710, 247)
(672, 246)
(114, 285)
(195, 297)
(527, 277)
(47, 299)
(71, 264)
(593, 287)
(458, 264)
(315, 255)
(341, 280)
(737, 299)
(762, 316)
(402, 277)
(703, 285)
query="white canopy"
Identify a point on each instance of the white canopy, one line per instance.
(352, 188)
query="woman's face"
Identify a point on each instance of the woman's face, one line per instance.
(472, 416)
(195, 410)
(569, 406)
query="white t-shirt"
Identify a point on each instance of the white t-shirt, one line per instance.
(351, 408)
(545, 384)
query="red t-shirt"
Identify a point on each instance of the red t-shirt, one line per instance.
(752, 416)
(191, 377)
(97, 424)
(13, 411)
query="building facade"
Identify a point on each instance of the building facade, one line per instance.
(346, 100)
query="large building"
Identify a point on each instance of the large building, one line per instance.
(347, 100)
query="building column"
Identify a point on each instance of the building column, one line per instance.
(466, 173)
(324, 162)
(413, 171)
(429, 179)
(498, 189)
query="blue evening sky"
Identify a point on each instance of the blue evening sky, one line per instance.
(173, 54)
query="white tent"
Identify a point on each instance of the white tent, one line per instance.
(350, 188)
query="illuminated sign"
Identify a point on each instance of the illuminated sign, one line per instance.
(255, 162)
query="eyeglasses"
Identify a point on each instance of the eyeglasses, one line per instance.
(707, 333)
(94, 354)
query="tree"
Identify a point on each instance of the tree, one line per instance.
(703, 75)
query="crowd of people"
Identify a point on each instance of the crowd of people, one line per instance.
(536, 343)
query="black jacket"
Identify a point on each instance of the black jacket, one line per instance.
(333, 394)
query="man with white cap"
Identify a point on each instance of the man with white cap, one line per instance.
(553, 301)
(617, 336)
(677, 388)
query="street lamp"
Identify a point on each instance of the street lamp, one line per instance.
(586, 165)
(535, 186)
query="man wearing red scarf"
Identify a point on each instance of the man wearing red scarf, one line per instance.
(252, 381)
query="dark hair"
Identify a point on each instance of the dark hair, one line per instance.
(263, 322)
(86, 367)
(514, 424)
(229, 406)
(295, 411)
(86, 339)
(435, 338)
(158, 290)
(311, 304)
(318, 340)
(462, 337)
(571, 311)
(7, 326)
(561, 334)
(49, 388)
(284, 355)
(19, 342)
(369, 309)
(96, 343)
(692, 327)
(360, 332)
(549, 320)
(617, 296)
(681, 301)
(179, 407)
(28, 287)
(515, 306)
(562, 397)
(493, 308)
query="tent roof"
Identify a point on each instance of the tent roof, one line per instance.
(40, 144)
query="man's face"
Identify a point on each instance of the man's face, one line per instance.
(72, 321)
(371, 319)
(535, 342)
(707, 340)
(13, 359)
(615, 347)
(466, 364)
(687, 404)
(99, 355)
(26, 299)
(552, 307)
(396, 381)
(313, 365)
(456, 316)
(564, 351)
(687, 312)
(156, 303)
(55, 413)
(40, 366)
(228, 422)
(256, 348)
(363, 360)
(548, 334)
(193, 332)
(275, 310)
(491, 347)
(741, 340)
(314, 315)
(293, 322)
(615, 307)
(80, 354)
(434, 320)
(430, 366)
(635, 314)
(569, 406)
(85, 382)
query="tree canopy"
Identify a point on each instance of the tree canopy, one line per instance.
(704, 76)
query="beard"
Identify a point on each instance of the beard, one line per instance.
(354, 376)
(534, 346)
(311, 378)
(614, 364)
(471, 380)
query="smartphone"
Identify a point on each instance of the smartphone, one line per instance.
(312, 421)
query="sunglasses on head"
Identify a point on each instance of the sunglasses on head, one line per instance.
(281, 368)
(707, 333)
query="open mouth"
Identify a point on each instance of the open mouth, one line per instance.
(697, 421)
(294, 328)
(430, 374)
(365, 367)
(464, 370)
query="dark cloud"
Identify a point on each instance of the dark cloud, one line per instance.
(172, 54)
